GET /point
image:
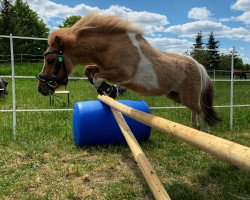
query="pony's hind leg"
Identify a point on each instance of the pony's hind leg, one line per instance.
(191, 99)
(194, 120)
(203, 124)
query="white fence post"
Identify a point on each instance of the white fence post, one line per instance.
(232, 90)
(13, 86)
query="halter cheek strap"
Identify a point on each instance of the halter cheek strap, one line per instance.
(53, 81)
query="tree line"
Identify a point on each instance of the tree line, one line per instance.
(208, 54)
(20, 20)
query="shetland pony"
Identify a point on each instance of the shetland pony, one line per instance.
(3, 87)
(114, 50)
(240, 73)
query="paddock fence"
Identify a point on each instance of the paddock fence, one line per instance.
(14, 110)
(22, 57)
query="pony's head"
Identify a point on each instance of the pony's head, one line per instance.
(57, 66)
(78, 45)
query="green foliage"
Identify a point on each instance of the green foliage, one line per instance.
(70, 21)
(201, 56)
(22, 21)
(247, 66)
(225, 61)
(5, 25)
(5, 16)
(238, 62)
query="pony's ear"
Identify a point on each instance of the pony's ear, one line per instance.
(57, 41)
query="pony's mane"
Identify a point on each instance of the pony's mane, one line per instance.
(103, 23)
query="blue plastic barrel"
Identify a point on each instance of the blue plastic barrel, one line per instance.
(94, 123)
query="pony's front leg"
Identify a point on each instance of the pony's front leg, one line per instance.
(112, 75)
(101, 86)
(90, 71)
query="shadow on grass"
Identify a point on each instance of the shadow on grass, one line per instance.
(219, 182)
(230, 181)
(179, 191)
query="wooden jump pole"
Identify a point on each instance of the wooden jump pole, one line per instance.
(231, 152)
(147, 170)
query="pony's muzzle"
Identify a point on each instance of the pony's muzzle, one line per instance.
(44, 89)
(52, 84)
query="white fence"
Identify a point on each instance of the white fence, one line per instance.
(13, 77)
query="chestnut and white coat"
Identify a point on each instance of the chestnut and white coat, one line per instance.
(115, 50)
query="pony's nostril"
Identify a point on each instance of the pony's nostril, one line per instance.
(42, 90)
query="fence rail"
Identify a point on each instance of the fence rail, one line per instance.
(84, 78)
(21, 57)
(151, 108)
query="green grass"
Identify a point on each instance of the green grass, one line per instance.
(44, 163)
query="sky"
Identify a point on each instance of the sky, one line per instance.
(168, 25)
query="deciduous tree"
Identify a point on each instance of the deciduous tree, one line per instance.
(20, 20)
(70, 21)
(5, 25)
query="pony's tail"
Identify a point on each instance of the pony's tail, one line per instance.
(211, 117)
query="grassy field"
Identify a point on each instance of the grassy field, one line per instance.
(44, 163)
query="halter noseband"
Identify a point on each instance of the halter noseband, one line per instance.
(53, 81)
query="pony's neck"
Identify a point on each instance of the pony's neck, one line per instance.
(89, 49)
(80, 56)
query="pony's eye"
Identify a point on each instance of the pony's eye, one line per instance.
(50, 61)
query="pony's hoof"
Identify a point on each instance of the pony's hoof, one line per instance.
(108, 90)
(205, 130)
(202, 129)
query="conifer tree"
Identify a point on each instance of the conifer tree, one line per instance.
(213, 53)
(198, 41)
(197, 53)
